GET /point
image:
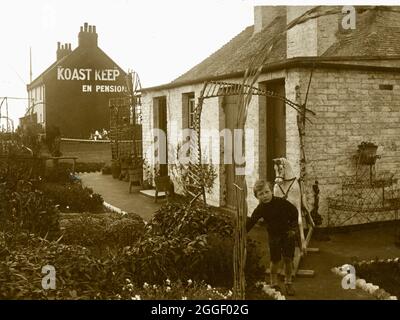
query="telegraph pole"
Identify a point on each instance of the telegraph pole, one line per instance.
(30, 64)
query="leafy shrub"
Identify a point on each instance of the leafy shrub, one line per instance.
(125, 231)
(103, 231)
(87, 231)
(73, 197)
(78, 273)
(23, 207)
(82, 275)
(196, 220)
(189, 242)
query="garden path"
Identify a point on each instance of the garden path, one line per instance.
(116, 193)
(342, 248)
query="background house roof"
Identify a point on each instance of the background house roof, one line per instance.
(377, 34)
(237, 53)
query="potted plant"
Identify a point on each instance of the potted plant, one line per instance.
(367, 153)
(135, 169)
(126, 163)
(115, 168)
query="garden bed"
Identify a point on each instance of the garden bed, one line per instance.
(380, 278)
(383, 273)
(110, 255)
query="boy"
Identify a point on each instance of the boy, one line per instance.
(280, 217)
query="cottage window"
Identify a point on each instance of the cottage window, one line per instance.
(191, 107)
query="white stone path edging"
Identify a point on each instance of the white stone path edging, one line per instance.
(116, 209)
(113, 208)
(271, 292)
(372, 289)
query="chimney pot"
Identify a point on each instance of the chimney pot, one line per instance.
(81, 29)
(58, 45)
(87, 38)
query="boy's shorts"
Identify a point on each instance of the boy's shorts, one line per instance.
(281, 247)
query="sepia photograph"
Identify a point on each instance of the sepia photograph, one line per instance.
(218, 150)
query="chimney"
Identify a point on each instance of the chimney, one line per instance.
(87, 36)
(314, 36)
(264, 15)
(63, 50)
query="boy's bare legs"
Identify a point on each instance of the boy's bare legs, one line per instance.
(287, 262)
(274, 273)
(288, 276)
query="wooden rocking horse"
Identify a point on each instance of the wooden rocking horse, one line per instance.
(288, 186)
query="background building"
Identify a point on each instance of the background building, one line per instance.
(73, 93)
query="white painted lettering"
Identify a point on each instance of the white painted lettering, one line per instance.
(60, 73)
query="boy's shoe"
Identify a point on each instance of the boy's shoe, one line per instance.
(289, 289)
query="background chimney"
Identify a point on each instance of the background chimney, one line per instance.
(264, 15)
(87, 36)
(314, 36)
(63, 50)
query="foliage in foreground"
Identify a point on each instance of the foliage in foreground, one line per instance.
(101, 232)
(195, 243)
(81, 275)
(73, 197)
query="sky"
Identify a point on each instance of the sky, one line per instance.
(160, 40)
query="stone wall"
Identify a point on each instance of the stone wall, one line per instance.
(351, 106)
(87, 150)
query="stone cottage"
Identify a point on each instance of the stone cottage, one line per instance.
(348, 59)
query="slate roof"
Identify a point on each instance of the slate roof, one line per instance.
(377, 33)
(237, 53)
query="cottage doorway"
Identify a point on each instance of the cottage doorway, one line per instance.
(273, 135)
(230, 108)
(160, 122)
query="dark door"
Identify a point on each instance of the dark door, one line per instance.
(160, 122)
(230, 107)
(275, 126)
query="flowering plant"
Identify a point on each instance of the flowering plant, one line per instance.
(169, 290)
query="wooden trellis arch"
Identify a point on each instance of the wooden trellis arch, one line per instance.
(244, 91)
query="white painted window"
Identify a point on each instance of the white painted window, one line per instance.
(191, 113)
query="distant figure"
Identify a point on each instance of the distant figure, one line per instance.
(53, 140)
(105, 134)
(97, 135)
